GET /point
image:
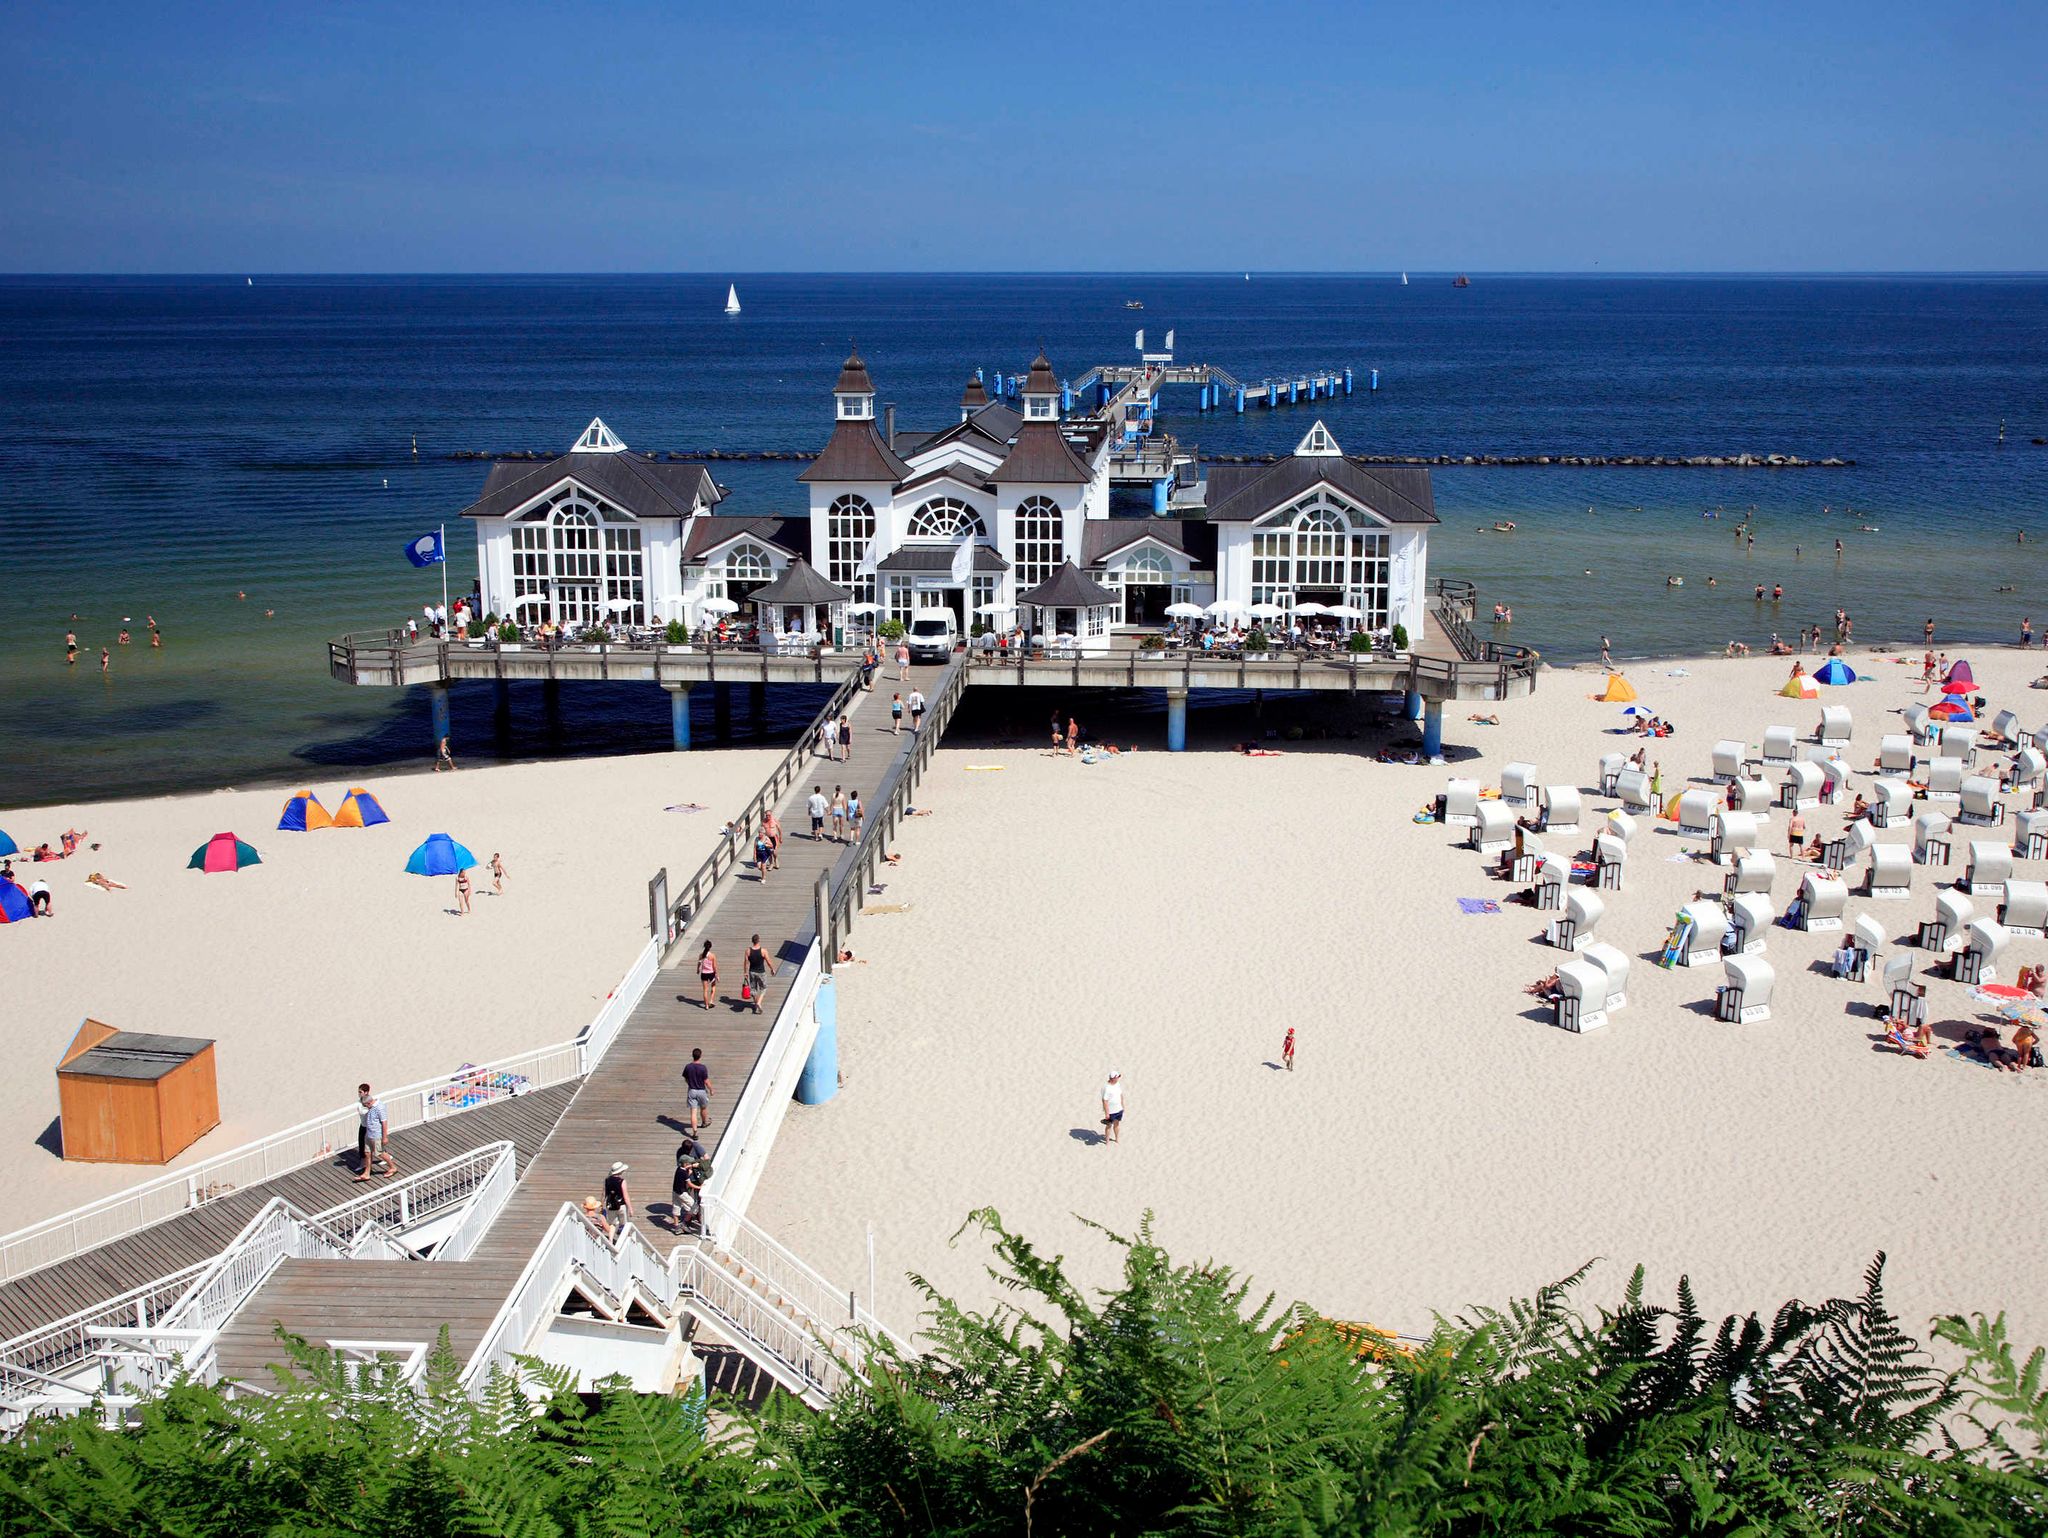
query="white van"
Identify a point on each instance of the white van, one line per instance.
(932, 635)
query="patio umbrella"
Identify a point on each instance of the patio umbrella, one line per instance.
(856, 608)
(618, 605)
(1184, 611)
(1800, 688)
(1834, 671)
(1344, 611)
(720, 606)
(995, 608)
(1953, 708)
(223, 852)
(1063, 640)
(1265, 611)
(1310, 608)
(8, 845)
(440, 855)
(1960, 679)
(1223, 606)
(520, 603)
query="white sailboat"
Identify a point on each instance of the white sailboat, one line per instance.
(732, 299)
(1404, 280)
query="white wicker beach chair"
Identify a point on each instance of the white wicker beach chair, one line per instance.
(1745, 997)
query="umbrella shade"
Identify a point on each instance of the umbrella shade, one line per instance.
(1638, 710)
(223, 852)
(720, 606)
(1223, 606)
(1834, 671)
(8, 845)
(1800, 688)
(1265, 611)
(1184, 611)
(520, 603)
(1960, 679)
(1619, 690)
(1307, 608)
(303, 814)
(1954, 708)
(440, 855)
(1063, 640)
(1344, 611)
(13, 903)
(618, 605)
(861, 608)
(995, 608)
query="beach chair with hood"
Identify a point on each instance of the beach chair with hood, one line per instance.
(1933, 838)
(1891, 873)
(1822, 897)
(2025, 910)
(1745, 998)
(1980, 807)
(1983, 943)
(1581, 1003)
(1952, 915)
(2030, 835)
(1989, 868)
(1750, 917)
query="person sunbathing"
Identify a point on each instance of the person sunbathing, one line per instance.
(1484, 720)
(1253, 750)
(106, 883)
(1545, 988)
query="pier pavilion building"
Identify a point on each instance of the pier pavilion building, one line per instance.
(971, 517)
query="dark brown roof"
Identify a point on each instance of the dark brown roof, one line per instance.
(1041, 456)
(1067, 588)
(789, 535)
(971, 433)
(855, 452)
(800, 583)
(646, 488)
(939, 558)
(964, 475)
(1041, 381)
(853, 378)
(975, 396)
(1240, 493)
(1000, 422)
(1102, 538)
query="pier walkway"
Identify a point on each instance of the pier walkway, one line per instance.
(630, 1107)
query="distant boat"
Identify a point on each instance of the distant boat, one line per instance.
(1461, 281)
(1134, 304)
(1247, 277)
(250, 281)
(732, 299)
(1404, 280)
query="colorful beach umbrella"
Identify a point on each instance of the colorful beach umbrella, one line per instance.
(440, 855)
(1960, 679)
(359, 809)
(1953, 708)
(1619, 690)
(223, 852)
(1834, 671)
(304, 813)
(1800, 688)
(14, 903)
(8, 845)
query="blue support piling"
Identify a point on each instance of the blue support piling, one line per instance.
(1411, 707)
(1176, 720)
(1272, 397)
(1433, 731)
(1240, 400)
(819, 1081)
(1293, 391)
(978, 374)
(1161, 489)
(679, 716)
(1375, 379)
(1066, 400)
(437, 700)
(1347, 381)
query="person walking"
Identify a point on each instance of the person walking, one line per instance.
(902, 662)
(845, 739)
(618, 1201)
(106, 659)
(371, 1134)
(1287, 1050)
(916, 703)
(817, 806)
(855, 813)
(772, 826)
(1795, 835)
(764, 854)
(1113, 1107)
(71, 647)
(1927, 631)
(497, 875)
(1657, 786)
(444, 757)
(461, 893)
(2026, 632)
(707, 974)
(1059, 735)
(896, 715)
(838, 815)
(697, 1090)
(1073, 735)
(1606, 657)
(686, 1187)
(757, 969)
(363, 1099)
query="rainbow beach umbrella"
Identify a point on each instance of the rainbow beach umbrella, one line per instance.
(223, 852)
(1834, 671)
(440, 855)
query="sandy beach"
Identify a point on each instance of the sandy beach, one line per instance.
(326, 964)
(1440, 1142)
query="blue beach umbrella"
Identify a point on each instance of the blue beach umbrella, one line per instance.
(1835, 671)
(1638, 710)
(8, 845)
(440, 855)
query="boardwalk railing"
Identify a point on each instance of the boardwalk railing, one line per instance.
(386, 657)
(779, 1270)
(1492, 669)
(757, 1114)
(810, 1363)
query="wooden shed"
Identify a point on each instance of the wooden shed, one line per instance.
(130, 1098)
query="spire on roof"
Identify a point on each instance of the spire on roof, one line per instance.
(853, 377)
(976, 393)
(597, 439)
(1318, 444)
(1041, 380)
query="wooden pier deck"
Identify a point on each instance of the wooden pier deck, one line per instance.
(630, 1107)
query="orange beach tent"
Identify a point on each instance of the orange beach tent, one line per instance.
(360, 809)
(1619, 690)
(304, 813)
(1801, 688)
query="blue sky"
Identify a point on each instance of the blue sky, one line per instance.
(752, 137)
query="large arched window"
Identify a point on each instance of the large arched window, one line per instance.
(1322, 549)
(1041, 541)
(946, 518)
(572, 558)
(849, 528)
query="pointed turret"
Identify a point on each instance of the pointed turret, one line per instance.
(1041, 392)
(855, 451)
(973, 398)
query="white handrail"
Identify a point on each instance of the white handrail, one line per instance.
(810, 1365)
(789, 1276)
(765, 1082)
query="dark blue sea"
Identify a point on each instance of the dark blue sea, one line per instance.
(172, 442)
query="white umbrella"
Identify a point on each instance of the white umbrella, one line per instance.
(1184, 611)
(1223, 606)
(720, 606)
(863, 608)
(520, 603)
(1265, 611)
(619, 605)
(1310, 608)
(1344, 611)
(1063, 640)
(995, 608)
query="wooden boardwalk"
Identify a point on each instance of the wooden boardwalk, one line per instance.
(630, 1107)
(57, 1291)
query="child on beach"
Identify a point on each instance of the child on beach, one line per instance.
(1287, 1050)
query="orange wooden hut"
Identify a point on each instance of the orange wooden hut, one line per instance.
(129, 1098)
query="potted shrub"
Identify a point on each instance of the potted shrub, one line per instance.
(1400, 638)
(677, 633)
(476, 629)
(508, 637)
(591, 635)
(1359, 641)
(1255, 643)
(890, 630)
(1152, 643)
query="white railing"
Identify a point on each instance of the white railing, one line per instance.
(489, 1200)
(59, 1347)
(278, 1233)
(750, 1129)
(602, 1031)
(775, 1269)
(810, 1364)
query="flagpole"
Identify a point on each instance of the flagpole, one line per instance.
(444, 568)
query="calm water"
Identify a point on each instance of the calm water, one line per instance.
(171, 442)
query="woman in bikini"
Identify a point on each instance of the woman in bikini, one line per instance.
(707, 974)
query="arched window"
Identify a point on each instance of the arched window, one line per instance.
(1322, 548)
(946, 518)
(571, 556)
(745, 563)
(1041, 541)
(1147, 566)
(849, 528)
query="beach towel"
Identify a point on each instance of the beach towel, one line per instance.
(1478, 905)
(999, 768)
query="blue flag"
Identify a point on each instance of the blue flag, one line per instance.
(426, 550)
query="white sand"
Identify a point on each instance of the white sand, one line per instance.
(1440, 1142)
(327, 964)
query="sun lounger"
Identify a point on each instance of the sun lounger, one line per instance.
(1981, 807)
(1841, 852)
(1756, 870)
(1945, 781)
(1800, 788)
(1702, 924)
(1895, 754)
(1834, 726)
(2030, 835)
(1728, 760)
(1989, 868)
(1891, 873)
(1822, 898)
(1611, 765)
(1931, 838)
(1460, 804)
(1952, 914)
(1750, 917)
(1560, 809)
(1909, 999)
(1696, 810)
(1977, 962)
(1958, 742)
(1610, 854)
(1633, 787)
(1582, 911)
(1779, 745)
(1493, 828)
(1733, 834)
(1614, 962)
(1745, 997)
(1891, 802)
(2025, 911)
(1581, 996)
(1518, 786)
(1553, 875)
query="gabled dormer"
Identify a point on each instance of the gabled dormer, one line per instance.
(854, 395)
(855, 451)
(1319, 443)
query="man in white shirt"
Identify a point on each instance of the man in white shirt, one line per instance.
(817, 806)
(1113, 1107)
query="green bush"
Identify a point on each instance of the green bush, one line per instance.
(476, 629)
(1255, 641)
(677, 634)
(508, 632)
(1400, 638)
(591, 635)
(978, 628)
(1152, 643)
(1359, 641)
(890, 630)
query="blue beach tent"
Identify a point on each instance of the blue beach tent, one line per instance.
(13, 903)
(359, 809)
(1835, 671)
(440, 855)
(303, 813)
(8, 845)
